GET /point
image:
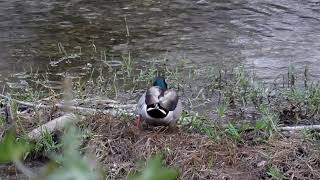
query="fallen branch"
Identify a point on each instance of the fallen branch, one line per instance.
(96, 100)
(49, 98)
(114, 109)
(298, 128)
(54, 125)
(61, 122)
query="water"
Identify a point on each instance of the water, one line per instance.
(264, 35)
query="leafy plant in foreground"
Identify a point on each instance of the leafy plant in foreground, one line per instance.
(12, 149)
(69, 165)
(155, 171)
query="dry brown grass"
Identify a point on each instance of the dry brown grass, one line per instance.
(119, 145)
(122, 148)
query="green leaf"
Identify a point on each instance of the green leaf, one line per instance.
(71, 164)
(275, 173)
(12, 149)
(155, 171)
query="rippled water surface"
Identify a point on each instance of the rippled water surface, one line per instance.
(264, 35)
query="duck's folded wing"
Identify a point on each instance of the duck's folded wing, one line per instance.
(177, 112)
(169, 100)
(140, 103)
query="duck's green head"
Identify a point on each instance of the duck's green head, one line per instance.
(161, 82)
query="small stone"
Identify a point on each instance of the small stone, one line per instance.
(262, 164)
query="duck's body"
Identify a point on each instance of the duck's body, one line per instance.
(159, 106)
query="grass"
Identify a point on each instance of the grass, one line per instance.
(230, 122)
(217, 144)
(268, 121)
(69, 163)
(311, 136)
(2, 121)
(47, 144)
(275, 173)
(221, 109)
(200, 124)
(198, 155)
(233, 133)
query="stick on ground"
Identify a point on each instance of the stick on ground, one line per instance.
(298, 128)
(55, 125)
(114, 109)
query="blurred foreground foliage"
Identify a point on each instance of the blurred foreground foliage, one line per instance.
(71, 163)
(155, 171)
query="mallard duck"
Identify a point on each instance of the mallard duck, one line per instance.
(159, 106)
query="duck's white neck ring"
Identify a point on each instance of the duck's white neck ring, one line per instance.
(156, 111)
